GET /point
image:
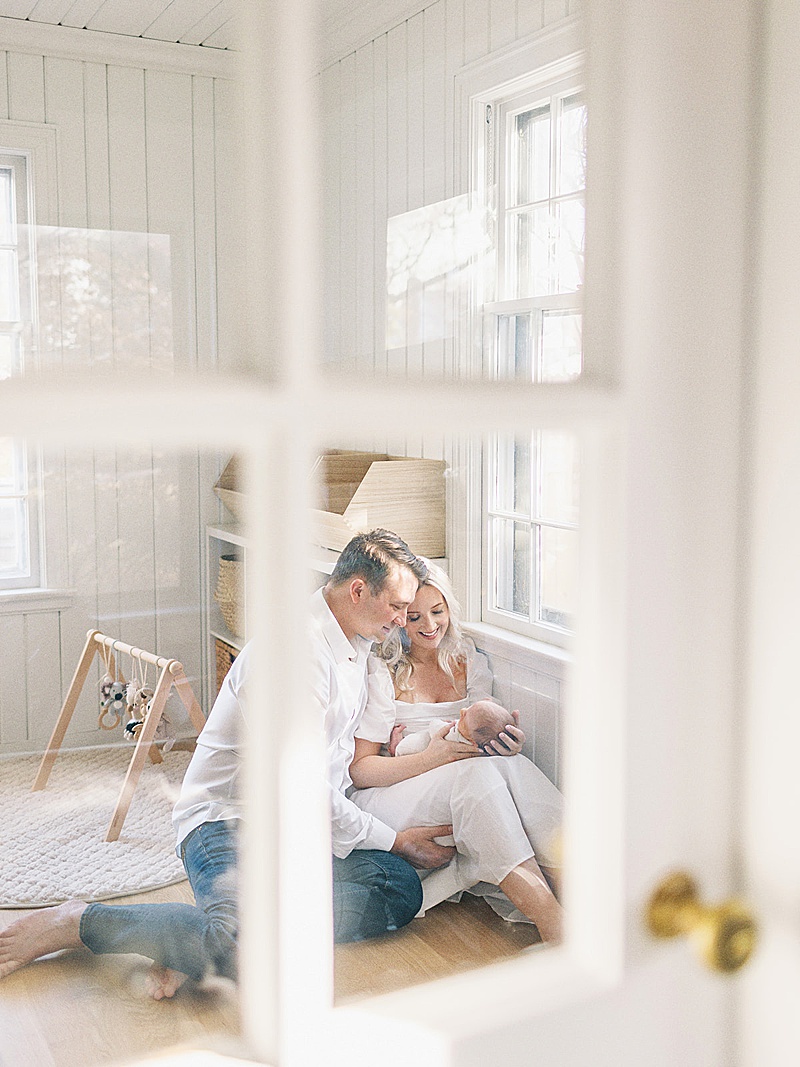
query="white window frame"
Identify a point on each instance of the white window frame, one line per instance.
(549, 63)
(26, 459)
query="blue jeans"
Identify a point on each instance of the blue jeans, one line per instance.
(373, 892)
(195, 940)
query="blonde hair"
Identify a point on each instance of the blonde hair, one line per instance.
(453, 647)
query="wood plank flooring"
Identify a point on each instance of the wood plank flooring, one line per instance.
(78, 1010)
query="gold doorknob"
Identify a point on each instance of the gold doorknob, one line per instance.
(725, 934)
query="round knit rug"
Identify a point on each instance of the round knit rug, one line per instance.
(52, 843)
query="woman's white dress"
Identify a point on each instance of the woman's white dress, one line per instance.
(503, 809)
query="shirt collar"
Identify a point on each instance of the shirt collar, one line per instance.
(341, 647)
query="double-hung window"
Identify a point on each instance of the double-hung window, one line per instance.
(534, 148)
(19, 555)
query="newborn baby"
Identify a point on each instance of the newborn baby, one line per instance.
(478, 724)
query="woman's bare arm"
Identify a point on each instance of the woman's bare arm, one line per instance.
(369, 768)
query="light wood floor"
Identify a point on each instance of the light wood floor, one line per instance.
(78, 1010)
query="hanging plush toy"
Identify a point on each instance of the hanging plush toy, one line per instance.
(113, 698)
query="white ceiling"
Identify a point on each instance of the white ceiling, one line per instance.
(210, 23)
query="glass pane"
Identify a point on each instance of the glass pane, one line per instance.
(533, 156)
(561, 346)
(12, 465)
(9, 355)
(512, 562)
(568, 247)
(529, 253)
(558, 476)
(6, 206)
(9, 285)
(13, 539)
(558, 575)
(515, 347)
(572, 145)
(512, 475)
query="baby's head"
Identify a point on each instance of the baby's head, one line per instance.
(483, 721)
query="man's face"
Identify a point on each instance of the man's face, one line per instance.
(377, 614)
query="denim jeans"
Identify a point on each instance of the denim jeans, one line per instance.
(195, 940)
(373, 892)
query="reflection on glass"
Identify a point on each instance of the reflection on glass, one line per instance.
(558, 571)
(572, 145)
(533, 155)
(512, 546)
(130, 551)
(539, 346)
(9, 286)
(512, 476)
(432, 257)
(533, 512)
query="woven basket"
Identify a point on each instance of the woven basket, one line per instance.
(225, 655)
(229, 593)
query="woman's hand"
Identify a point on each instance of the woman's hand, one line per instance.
(440, 751)
(509, 742)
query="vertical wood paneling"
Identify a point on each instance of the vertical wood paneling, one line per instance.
(415, 45)
(204, 222)
(64, 95)
(477, 22)
(434, 188)
(364, 189)
(380, 66)
(554, 11)
(13, 688)
(98, 182)
(170, 210)
(42, 674)
(330, 152)
(3, 85)
(82, 577)
(397, 155)
(348, 213)
(530, 17)
(230, 224)
(25, 88)
(502, 24)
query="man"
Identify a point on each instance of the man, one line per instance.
(375, 887)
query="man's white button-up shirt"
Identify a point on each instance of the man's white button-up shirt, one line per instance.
(339, 684)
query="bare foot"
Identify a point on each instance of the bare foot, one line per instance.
(163, 981)
(39, 934)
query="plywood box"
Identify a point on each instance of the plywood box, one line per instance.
(359, 491)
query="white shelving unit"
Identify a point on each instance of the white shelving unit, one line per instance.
(222, 540)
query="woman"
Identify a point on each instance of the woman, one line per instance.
(504, 811)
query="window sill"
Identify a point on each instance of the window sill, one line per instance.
(24, 601)
(524, 651)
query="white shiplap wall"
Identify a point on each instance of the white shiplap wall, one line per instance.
(389, 112)
(143, 146)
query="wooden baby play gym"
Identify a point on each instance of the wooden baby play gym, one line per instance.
(151, 704)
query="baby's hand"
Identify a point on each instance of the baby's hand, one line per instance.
(395, 737)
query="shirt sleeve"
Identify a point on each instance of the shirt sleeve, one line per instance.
(380, 712)
(351, 827)
(479, 676)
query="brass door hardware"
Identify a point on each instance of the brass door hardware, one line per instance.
(724, 934)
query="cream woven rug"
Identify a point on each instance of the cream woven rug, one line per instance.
(52, 843)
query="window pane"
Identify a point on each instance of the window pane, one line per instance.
(11, 467)
(9, 289)
(9, 355)
(512, 475)
(558, 476)
(533, 156)
(561, 346)
(515, 347)
(567, 272)
(530, 267)
(558, 575)
(6, 206)
(13, 539)
(512, 562)
(572, 145)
